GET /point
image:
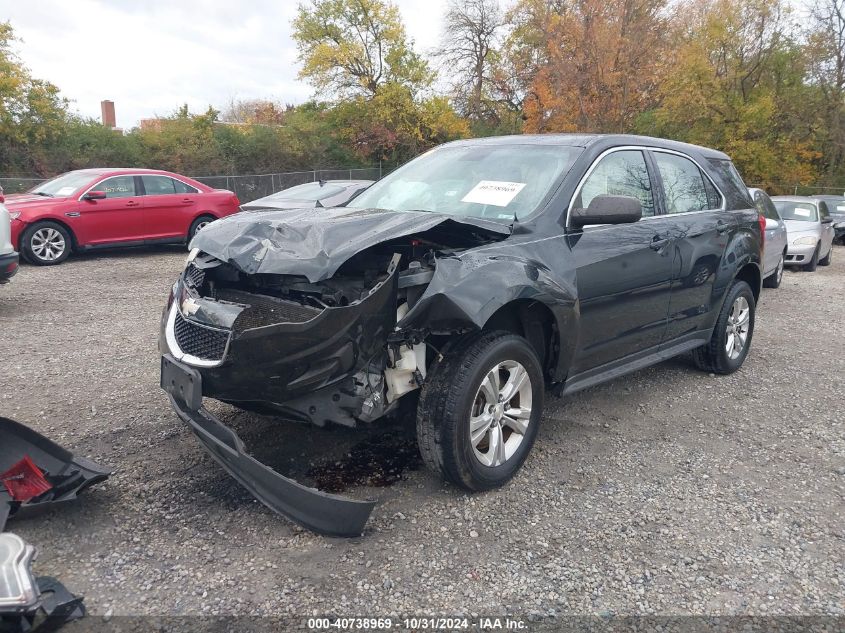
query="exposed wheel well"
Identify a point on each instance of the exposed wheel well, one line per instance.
(533, 321)
(73, 243)
(750, 274)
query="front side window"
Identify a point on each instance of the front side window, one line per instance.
(823, 212)
(496, 182)
(622, 173)
(800, 211)
(117, 187)
(685, 187)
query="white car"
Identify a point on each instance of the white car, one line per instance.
(8, 256)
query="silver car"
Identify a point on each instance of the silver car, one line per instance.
(809, 229)
(322, 193)
(774, 253)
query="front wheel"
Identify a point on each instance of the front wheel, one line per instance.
(773, 280)
(480, 410)
(827, 258)
(731, 338)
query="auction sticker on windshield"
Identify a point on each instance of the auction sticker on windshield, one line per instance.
(804, 213)
(495, 192)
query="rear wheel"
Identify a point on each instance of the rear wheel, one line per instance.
(814, 261)
(480, 410)
(827, 258)
(773, 280)
(198, 225)
(731, 338)
(46, 244)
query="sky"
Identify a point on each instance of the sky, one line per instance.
(151, 56)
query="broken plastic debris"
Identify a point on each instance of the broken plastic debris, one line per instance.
(24, 481)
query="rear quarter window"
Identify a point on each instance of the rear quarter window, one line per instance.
(731, 183)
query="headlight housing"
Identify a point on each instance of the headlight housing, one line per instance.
(807, 240)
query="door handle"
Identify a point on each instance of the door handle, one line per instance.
(132, 203)
(722, 226)
(658, 242)
(187, 201)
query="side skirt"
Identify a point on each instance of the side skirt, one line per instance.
(634, 362)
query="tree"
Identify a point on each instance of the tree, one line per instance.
(354, 47)
(468, 51)
(825, 53)
(32, 112)
(589, 64)
(736, 84)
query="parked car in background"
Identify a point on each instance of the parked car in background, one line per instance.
(8, 256)
(322, 193)
(836, 208)
(465, 285)
(809, 230)
(776, 239)
(100, 208)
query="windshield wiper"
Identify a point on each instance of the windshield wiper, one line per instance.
(43, 193)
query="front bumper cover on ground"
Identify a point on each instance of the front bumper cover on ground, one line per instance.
(321, 512)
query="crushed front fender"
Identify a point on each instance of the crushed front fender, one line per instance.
(324, 513)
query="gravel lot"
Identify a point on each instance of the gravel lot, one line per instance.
(667, 492)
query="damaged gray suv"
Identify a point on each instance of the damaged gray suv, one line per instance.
(464, 286)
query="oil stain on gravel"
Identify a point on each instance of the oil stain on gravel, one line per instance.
(379, 461)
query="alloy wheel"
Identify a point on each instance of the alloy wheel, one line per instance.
(739, 321)
(48, 244)
(501, 413)
(780, 270)
(202, 225)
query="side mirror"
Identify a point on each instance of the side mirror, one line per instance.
(827, 220)
(771, 224)
(606, 209)
(94, 195)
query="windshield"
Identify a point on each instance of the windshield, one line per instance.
(802, 211)
(496, 182)
(308, 192)
(64, 185)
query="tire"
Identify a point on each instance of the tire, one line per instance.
(714, 356)
(827, 258)
(457, 387)
(197, 225)
(814, 261)
(773, 280)
(46, 244)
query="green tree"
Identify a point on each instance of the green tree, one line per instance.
(32, 112)
(354, 47)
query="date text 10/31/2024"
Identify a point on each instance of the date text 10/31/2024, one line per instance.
(417, 624)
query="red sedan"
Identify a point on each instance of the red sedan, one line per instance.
(99, 208)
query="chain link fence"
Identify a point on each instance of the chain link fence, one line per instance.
(247, 188)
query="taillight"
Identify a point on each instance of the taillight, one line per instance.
(762, 220)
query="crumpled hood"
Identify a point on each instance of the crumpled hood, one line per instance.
(314, 243)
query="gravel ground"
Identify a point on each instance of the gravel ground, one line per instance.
(669, 491)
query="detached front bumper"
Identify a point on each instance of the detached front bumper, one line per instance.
(321, 512)
(8, 266)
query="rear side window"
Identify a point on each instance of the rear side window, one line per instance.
(685, 187)
(622, 173)
(158, 185)
(117, 187)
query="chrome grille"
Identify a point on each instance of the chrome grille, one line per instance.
(196, 276)
(264, 310)
(199, 341)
